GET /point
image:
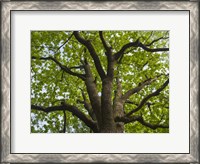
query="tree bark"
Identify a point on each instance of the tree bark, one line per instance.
(93, 94)
(118, 107)
(108, 123)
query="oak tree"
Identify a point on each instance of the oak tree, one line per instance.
(99, 81)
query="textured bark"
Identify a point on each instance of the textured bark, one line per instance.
(119, 112)
(108, 123)
(118, 107)
(93, 93)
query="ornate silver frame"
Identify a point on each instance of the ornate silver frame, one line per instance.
(8, 6)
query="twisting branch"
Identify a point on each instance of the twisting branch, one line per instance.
(64, 68)
(152, 50)
(140, 119)
(137, 43)
(93, 54)
(74, 110)
(124, 48)
(157, 92)
(139, 87)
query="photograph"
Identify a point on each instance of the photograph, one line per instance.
(100, 81)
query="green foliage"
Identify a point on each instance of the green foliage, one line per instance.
(49, 83)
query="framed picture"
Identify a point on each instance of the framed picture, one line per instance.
(100, 82)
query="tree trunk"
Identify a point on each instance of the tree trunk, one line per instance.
(108, 123)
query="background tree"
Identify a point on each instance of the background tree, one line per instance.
(94, 81)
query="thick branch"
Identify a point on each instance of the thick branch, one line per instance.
(152, 50)
(157, 92)
(124, 48)
(93, 54)
(93, 92)
(137, 43)
(64, 68)
(140, 119)
(74, 110)
(110, 69)
(138, 88)
(87, 105)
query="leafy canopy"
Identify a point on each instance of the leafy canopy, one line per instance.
(50, 84)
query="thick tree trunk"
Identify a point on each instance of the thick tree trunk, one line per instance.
(108, 123)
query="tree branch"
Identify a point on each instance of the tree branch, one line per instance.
(148, 37)
(140, 119)
(74, 110)
(92, 92)
(65, 121)
(107, 48)
(131, 102)
(93, 54)
(110, 69)
(156, 41)
(152, 50)
(87, 105)
(124, 48)
(137, 43)
(64, 68)
(139, 87)
(157, 92)
(77, 67)
(65, 42)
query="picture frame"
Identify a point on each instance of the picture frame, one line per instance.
(7, 7)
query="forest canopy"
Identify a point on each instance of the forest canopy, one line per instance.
(99, 81)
